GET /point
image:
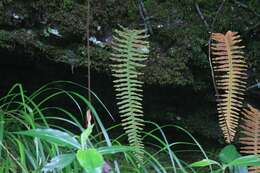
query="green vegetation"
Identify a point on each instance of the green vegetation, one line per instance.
(56, 129)
(33, 140)
(53, 147)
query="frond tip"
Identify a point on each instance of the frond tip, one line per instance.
(230, 68)
(129, 51)
(251, 134)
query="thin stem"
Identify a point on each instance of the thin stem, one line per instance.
(88, 53)
(201, 16)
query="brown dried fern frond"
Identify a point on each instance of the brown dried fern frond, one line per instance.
(230, 68)
(251, 134)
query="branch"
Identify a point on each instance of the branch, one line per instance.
(202, 16)
(246, 7)
(210, 28)
(217, 13)
(143, 13)
(240, 4)
(209, 48)
(257, 85)
(253, 27)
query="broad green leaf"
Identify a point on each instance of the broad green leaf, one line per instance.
(53, 136)
(251, 160)
(91, 160)
(85, 135)
(228, 154)
(59, 162)
(203, 163)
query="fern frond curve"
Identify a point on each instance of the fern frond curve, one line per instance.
(129, 52)
(251, 134)
(230, 69)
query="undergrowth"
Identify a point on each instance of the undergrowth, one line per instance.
(33, 130)
(20, 112)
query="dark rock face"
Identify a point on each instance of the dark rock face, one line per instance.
(56, 30)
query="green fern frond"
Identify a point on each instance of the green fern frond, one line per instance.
(129, 52)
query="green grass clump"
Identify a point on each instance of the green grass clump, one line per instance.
(24, 151)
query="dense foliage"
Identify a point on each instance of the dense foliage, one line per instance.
(34, 137)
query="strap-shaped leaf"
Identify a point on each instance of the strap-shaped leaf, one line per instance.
(59, 162)
(230, 68)
(53, 136)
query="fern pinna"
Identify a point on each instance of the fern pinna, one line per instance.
(230, 69)
(129, 52)
(250, 128)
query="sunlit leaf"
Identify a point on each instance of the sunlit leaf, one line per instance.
(115, 149)
(59, 162)
(91, 160)
(85, 134)
(228, 154)
(53, 136)
(251, 160)
(203, 163)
